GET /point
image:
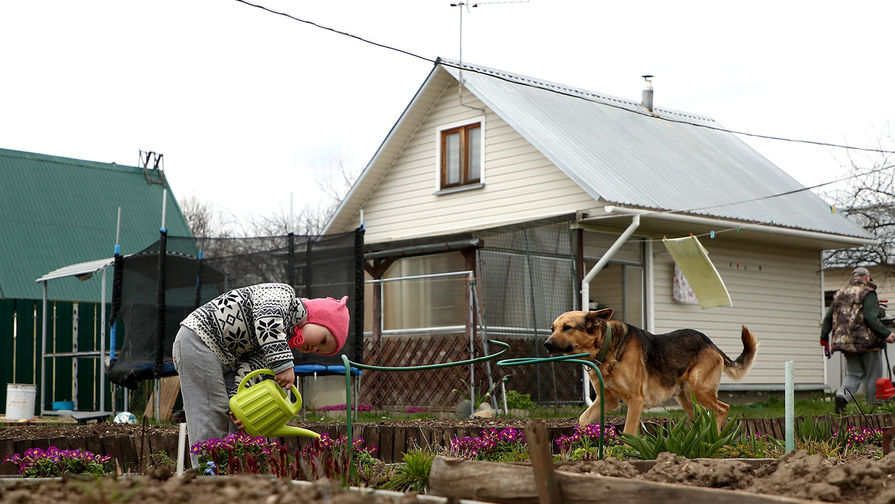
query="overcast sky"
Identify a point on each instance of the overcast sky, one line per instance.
(248, 106)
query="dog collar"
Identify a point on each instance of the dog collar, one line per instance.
(604, 348)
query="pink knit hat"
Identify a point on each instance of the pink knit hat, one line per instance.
(332, 315)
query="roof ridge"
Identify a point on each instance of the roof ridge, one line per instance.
(49, 158)
(598, 97)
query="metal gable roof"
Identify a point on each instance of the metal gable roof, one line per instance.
(620, 153)
(58, 211)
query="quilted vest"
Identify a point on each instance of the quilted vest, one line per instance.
(850, 332)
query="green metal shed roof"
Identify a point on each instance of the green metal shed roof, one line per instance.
(57, 211)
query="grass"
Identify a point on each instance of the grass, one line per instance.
(772, 407)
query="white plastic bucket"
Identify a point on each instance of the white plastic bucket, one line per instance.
(20, 401)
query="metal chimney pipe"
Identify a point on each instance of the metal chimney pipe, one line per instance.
(647, 98)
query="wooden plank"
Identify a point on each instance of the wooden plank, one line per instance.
(371, 439)
(110, 447)
(169, 390)
(95, 445)
(386, 449)
(7, 448)
(412, 438)
(399, 444)
(513, 483)
(131, 455)
(542, 463)
(779, 428)
(59, 442)
(79, 443)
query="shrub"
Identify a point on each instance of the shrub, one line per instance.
(40, 463)
(518, 400)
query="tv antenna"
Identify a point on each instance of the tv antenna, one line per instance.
(469, 5)
(153, 164)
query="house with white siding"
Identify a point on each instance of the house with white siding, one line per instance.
(495, 195)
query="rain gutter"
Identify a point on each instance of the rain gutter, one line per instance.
(796, 233)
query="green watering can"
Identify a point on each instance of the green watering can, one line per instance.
(264, 409)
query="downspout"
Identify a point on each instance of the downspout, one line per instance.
(585, 288)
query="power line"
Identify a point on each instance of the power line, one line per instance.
(540, 86)
(377, 44)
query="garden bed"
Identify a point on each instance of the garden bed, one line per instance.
(864, 480)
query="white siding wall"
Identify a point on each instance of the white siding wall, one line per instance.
(597, 243)
(834, 279)
(775, 293)
(520, 183)
(606, 288)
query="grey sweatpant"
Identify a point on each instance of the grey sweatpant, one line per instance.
(860, 367)
(203, 385)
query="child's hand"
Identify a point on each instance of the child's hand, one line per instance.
(285, 378)
(236, 421)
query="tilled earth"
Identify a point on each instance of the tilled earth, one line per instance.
(797, 474)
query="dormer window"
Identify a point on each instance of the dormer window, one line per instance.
(461, 155)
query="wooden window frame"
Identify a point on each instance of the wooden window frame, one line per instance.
(465, 179)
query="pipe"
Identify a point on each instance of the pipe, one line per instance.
(585, 289)
(43, 349)
(181, 448)
(102, 345)
(789, 409)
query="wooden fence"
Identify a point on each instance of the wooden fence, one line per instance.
(443, 388)
(391, 440)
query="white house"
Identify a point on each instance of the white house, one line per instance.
(529, 184)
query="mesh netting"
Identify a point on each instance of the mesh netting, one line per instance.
(196, 270)
(528, 277)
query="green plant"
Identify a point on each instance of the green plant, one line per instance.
(697, 439)
(518, 400)
(480, 396)
(413, 475)
(40, 463)
(813, 430)
(755, 445)
(583, 444)
(325, 457)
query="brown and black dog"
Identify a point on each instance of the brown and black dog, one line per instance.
(645, 369)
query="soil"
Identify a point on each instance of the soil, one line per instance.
(797, 474)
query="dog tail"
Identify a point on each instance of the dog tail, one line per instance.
(738, 368)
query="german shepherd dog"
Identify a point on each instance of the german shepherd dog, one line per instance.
(645, 369)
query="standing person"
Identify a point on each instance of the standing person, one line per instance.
(858, 333)
(243, 330)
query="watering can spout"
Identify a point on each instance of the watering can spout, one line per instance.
(287, 430)
(264, 409)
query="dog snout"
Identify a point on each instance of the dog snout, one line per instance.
(552, 347)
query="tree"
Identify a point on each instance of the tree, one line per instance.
(869, 199)
(204, 220)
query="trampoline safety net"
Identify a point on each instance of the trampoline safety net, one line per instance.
(146, 312)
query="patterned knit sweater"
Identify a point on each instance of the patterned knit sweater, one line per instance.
(249, 328)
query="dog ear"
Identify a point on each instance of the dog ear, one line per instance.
(593, 318)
